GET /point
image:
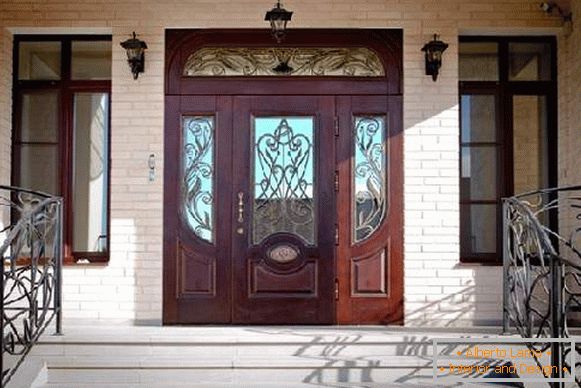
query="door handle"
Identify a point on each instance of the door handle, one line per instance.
(240, 207)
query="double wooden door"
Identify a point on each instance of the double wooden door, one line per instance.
(252, 182)
(282, 210)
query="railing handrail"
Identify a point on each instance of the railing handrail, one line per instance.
(27, 191)
(31, 288)
(537, 267)
(544, 191)
(38, 208)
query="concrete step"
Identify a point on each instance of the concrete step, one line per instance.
(121, 356)
(333, 375)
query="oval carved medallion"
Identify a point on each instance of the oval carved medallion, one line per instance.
(283, 253)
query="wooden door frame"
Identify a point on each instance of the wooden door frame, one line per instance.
(387, 44)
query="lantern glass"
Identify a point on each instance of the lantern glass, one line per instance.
(278, 25)
(134, 53)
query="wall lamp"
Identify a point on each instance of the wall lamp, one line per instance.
(433, 53)
(551, 6)
(135, 54)
(278, 18)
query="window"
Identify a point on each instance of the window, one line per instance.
(507, 133)
(62, 87)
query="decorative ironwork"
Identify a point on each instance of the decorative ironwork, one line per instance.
(198, 175)
(542, 270)
(284, 181)
(303, 61)
(32, 253)
(369, 176)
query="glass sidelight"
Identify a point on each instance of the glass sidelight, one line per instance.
(197, 180)
(284, 180)
(90, 167)
(369, 175)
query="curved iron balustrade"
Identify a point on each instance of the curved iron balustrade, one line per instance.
(542, 271)
(32, 253)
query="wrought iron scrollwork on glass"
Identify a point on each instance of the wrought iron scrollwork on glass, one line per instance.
(369, 177)
(297, 61)
(284, 177)
(197, 179)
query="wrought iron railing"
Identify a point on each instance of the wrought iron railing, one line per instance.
(31, 249)
(542, 271)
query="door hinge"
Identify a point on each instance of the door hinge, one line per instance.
(336, 180)
(336, 289)
(336, 126)
(336, 234)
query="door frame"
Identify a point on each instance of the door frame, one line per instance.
(387, 44)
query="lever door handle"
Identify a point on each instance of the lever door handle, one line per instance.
(240, 207)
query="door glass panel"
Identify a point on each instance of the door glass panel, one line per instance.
(529, 61)
(91, 60)
(478, 175)
(530, 149)
(478, 118)
(91, 165)
(284, 182)
(284, 61)
(198, 175)
(478, 61)
(39, 61)
(39, 117)
(369, 176)
(38, 168)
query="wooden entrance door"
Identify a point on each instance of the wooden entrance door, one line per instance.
(249, 189)
(283, 246)
(283, 208)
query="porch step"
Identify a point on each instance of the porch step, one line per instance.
(237, 357)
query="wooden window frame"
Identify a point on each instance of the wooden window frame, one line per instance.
(66, 88)
(504, 91)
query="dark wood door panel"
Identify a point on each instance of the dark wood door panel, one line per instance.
(197, 266)
(370, 265)
(281, 277)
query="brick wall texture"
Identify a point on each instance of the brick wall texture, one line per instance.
(439, 291)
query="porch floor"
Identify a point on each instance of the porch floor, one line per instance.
(107, 354)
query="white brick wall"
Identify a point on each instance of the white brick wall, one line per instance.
(569, 112)
(438, 290)
(5, 103)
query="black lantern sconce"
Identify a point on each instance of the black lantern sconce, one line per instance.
(550, 7)
(135, 54)
(433, 53)
(278, 18)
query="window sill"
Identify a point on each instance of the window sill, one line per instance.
(479, 262)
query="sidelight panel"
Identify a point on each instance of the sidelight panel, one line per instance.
(197, 175)
(369, 176)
